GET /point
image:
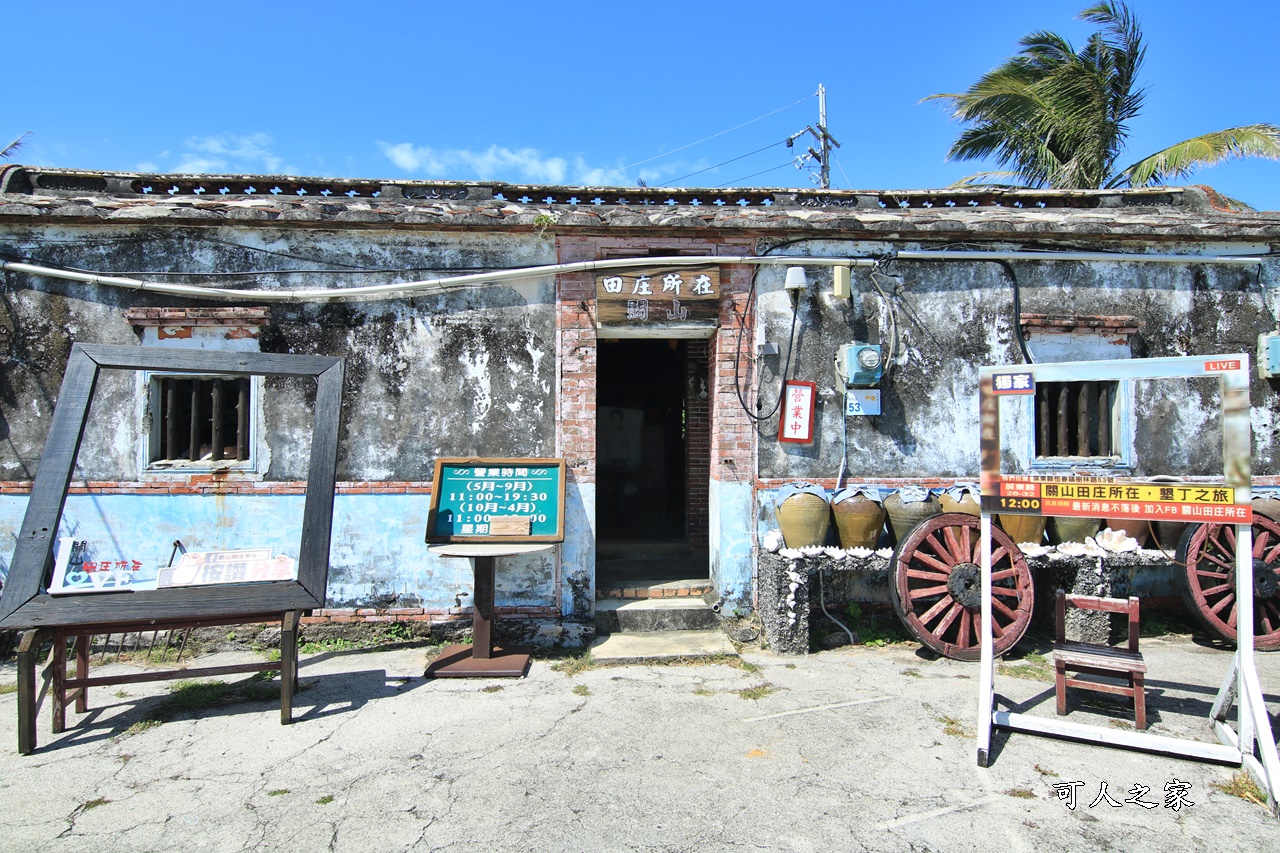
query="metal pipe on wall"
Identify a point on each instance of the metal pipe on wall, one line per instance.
(474, 279)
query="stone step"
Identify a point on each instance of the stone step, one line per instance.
(687, 588)
(620, 615)
(662, 645)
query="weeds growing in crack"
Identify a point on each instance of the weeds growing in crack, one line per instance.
(140, 727)
(1242, 786)
(1033, 667)
(756, 693)
(195, 695)
(955, 728)
(574, 664)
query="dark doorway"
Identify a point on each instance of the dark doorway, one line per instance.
(642, 463)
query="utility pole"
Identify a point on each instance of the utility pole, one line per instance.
(824, 139)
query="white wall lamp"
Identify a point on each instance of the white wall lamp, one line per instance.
(796, 280)
(796, 283)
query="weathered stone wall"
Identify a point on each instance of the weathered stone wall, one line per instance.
(783, 587)
(956, 316)
(470, 372)
(510, 369)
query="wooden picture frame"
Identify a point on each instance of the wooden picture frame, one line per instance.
(24, 604)
(548, 531)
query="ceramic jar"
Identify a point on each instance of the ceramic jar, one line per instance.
(904, 515)
(859, 519)
(804, 516)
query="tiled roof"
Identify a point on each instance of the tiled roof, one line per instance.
(1167, 213)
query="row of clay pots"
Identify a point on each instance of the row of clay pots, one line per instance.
(805, 520)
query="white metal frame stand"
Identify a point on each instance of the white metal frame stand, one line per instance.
(1254, 745)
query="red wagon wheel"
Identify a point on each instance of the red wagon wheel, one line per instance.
(936, 586)
(1207, 579)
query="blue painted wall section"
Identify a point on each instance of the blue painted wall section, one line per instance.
(578, 554)
(732, 513)
(378, 557)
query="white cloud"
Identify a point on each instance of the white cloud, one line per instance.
(228, 153)
(493, 163)
(518, 165)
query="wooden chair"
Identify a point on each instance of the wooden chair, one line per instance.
(1096, 659)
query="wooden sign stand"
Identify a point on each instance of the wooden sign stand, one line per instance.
(483, 509)
(1253, 746)
(481, 659)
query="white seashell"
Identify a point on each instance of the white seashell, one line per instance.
(860, 553)
(834, 553)
(885, 552)
(794, 586)
(1072, 549)
(1030, 549)
(1117, 541)
(790, 554)
(791, 621)
(772, 541)
(812, 550)
(1092, 548)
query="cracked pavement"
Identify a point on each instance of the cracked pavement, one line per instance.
(857, 748)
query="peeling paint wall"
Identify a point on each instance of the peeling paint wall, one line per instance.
(463, 373)
(478, 372)
(378, 558)
(731, 543)
(956, 316)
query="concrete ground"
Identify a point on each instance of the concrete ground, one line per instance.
(852, 749)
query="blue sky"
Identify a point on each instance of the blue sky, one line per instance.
(583, 92)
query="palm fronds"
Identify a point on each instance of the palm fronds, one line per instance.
(12, 148)
(1059, 117)
(1181, 160)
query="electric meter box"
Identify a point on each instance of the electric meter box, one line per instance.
(1269, 355)
(860, 364)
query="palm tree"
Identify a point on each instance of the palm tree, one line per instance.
(1059, 117)
(12, 148)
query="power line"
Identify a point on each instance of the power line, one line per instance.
(725, 163)
(848, 183)
(746, 177)
(707, 139)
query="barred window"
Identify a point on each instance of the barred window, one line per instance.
(200, 419)
(1076, 419)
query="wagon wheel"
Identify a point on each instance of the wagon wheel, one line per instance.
(1207, 579)
(936, 586)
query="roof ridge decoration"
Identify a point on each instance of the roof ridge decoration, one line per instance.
(1165, 214)
(19, 179)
